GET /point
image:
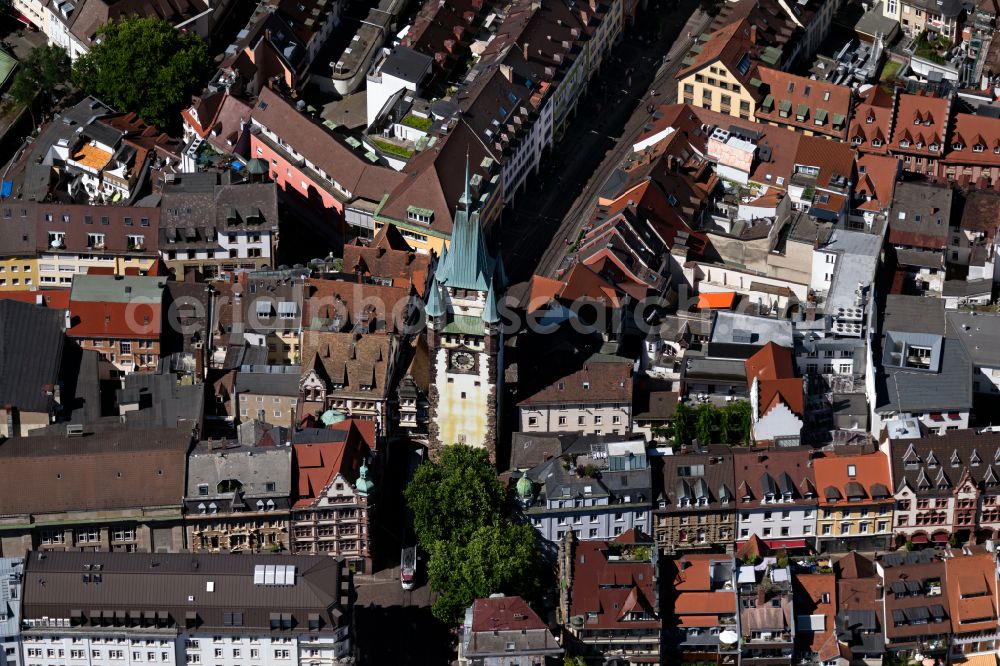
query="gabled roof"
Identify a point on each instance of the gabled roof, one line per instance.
(351, 361)
(816, 599)
(504, 614)
(31, 345)
(871, 477)
(853, 566)
(317, 464)
(777, 471)
(342, 164)
(972, 587)
(825, 103)
(120, 469)
(926, 463)
(339, 305)
(611, 588)
(773, 368)
(921, 119)
(732, 46)
(974, 140)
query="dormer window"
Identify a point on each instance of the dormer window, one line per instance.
(213, 508)
(904, 144)
(869, 120)
(958, 145)
(202, 508)
(933, 147)
(270, 505)
(260, 505)
(856, 141)
(978, 148)
(876, 143)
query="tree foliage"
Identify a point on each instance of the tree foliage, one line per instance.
(682, 424)
(704, 420)
(143, 65)
(727, 425)
(43, 69)
(455, 496)
(495, 558)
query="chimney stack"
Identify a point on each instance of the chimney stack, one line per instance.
(753, 34)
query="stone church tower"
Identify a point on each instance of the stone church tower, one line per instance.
(464, 337)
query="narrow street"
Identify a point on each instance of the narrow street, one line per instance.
(547, 216)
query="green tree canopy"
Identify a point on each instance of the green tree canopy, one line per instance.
(682, 424)
(455, 496)
(704, 422)
(143, 65)
(42, 69)
(495, 558)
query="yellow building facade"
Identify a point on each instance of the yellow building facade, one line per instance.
(18, 273)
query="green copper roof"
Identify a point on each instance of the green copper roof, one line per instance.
(490, 314)
(821, 115)
(838, 119)
(785, 106)
(465, 325)
(467, 265)
(364, 484)
(434, 307)
(112, 289)
(768, 102)
(755, 82)
(802, 111)
(771, 55)
(524, 487)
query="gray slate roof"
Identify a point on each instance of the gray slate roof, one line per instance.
(926, 463)
(31, 344)
(159, 582)
(905, 389)
(253, 466)
(979, 334)
(269, 380)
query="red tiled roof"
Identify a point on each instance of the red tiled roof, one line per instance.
(809, 589)
(921, 119)
(51, 298)
(611, 588)
(324, 300)
(870, 469)
(816, 95)
(389, 256)
(774, 369)
(316, 465)
(877, 179)
(972, 131)
(504, 614)
(972, 586)
(115, 320)
(871, 123)
(727, 45)
(772, 361)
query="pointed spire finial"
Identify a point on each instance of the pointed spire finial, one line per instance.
(468, 200)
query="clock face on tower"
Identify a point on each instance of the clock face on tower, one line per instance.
(462, 360)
